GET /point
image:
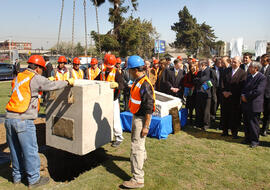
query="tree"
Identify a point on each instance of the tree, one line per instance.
(115, 13)
(136, 36)
(78, 50)
(207, 41)
(192, 36)
(187, 32)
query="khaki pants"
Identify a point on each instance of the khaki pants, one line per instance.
(138, 152)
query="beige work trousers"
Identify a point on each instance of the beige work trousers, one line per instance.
(138, 152)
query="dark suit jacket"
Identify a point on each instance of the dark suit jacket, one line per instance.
(254, 92)
(233, 84)
(243, 66)
(49, 69)
(267, 88)
(202, 76)
(161, 84)
(173, 81)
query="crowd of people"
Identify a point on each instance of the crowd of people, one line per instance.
(238, 86)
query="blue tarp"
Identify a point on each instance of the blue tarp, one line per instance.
(160, 127)
(183, 113)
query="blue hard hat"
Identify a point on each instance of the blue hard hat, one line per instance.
(135, 61)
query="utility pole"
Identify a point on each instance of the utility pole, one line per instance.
(98, 28)
(85, 28)
(9, 47)
(72, 43)
(60, 25)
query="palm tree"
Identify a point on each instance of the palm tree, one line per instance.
(60, 25)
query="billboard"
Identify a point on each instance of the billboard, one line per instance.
(160, 46)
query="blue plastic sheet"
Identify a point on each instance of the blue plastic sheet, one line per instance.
(183, 114)
(160, 127)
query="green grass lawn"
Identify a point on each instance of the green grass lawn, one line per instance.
(5, 92)
(191, 159)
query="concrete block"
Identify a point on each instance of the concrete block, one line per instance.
(79, 119)
(164, 103)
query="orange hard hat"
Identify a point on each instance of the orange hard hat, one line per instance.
(110, 61)
(62, 59)
(118, 60)
(37, 60)
(155, 61)
(76, 60)
(94, 61)
(180, 58)
(193, 60)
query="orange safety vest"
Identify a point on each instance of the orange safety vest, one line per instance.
(110, 77)
(77, 74)
(21, 92)
(135, 96)
(61, 76)
(92, 74)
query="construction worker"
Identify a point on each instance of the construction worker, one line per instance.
(62, 72)
(76, 72)
(93, 71)
(118, 64)
(111, 74)
(142, 105)
(22, 109)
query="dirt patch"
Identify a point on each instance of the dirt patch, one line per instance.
(61, 166)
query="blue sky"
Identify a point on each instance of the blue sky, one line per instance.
(37, 21)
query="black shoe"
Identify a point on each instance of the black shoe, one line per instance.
(42, 181)
(116, 144)
(235, 137)
(224, 134)
(264, 133)
(245, 142)
(253, 145)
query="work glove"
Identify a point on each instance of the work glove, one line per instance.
(51, 78)
(71, 81)
(114, 85)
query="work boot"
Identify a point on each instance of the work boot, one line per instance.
(116, 143)
(131, 184)
(42, 181)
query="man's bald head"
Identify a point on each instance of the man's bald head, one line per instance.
(236, 61)
(237, 58)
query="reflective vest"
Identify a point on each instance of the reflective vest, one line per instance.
(156, 71)
(77, 74)
(135, 96)
(21, 92)
(110, 77)
(92, 74)
(61, 76)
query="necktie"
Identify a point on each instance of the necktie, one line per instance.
(176, 73)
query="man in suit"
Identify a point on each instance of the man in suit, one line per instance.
(203, 97)
(49, 71)
(252, 103)
(17, 67)
(265, 60)
(161, 79)
(231, 87)
(215, 90)
(247, 59)
(174, 78)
